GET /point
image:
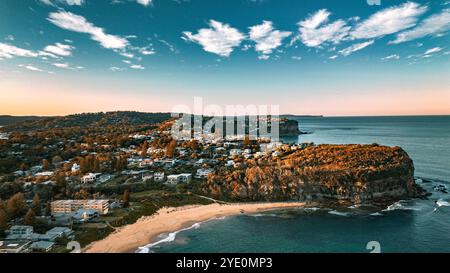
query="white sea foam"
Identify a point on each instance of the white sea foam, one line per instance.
(400, 205)
(376, 214)
(169, 238)
(312, 209)
(441, 203)
(339, 213)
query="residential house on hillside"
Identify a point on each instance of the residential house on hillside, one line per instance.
(178, 178)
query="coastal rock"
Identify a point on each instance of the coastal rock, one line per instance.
(353, 173)
(289, 127)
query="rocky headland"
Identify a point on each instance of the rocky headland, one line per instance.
(352, 173)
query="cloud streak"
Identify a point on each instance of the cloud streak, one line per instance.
(433, 25)
(77, 23)
(389, 21)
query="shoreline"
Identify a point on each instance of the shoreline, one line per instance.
(167, 220)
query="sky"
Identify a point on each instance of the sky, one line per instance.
(311, 57)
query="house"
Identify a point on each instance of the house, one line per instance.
(230, 144)
(61, 232)
(70, 206)
(48, 173)
(159, 177)
(20, 232)
(203, 173)
(276, 153)
(178, 178)
(90, 177)
(84, 215)
(19, 173)
(36, 168)
(75, 168)
(229, 163)
(104, 178)
(235, 152)
(26, 233)
(145, 163)
(42, 246)
(15, 246)
(147, 177)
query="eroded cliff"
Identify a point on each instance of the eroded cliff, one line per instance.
(354, 173)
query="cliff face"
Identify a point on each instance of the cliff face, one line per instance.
(354, 173)
(289, 127)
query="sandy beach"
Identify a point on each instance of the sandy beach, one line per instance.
(166, 220)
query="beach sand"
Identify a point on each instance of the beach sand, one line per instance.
(129, 238)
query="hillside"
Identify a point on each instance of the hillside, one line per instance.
(7, 119)
(89, 120)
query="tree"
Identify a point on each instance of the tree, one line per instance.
(16, 206)
(45, 165)
(3, 220)
(170, 149)
(30, 218)
(84, 168)
(193, 144)
(126, 198)
(246, 141)
(23, 167)
(36, 204)
(82, 194)
(48, 209)
(96, 167)
(144, 148)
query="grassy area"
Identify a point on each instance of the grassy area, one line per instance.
(87, 235)
(143, 203)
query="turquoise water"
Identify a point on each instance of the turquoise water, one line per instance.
(407, 226)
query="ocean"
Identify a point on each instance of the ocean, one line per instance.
(405, 226)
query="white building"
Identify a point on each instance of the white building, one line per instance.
(147, 177)
(75, 168)
(159, 177)
(90, 177)
(234, 152)
(69, 206)
(178, 178)
(44, 174)
(203, 173)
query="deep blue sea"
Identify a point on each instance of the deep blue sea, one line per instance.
(406, 226)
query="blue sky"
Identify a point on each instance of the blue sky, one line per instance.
(310, 57)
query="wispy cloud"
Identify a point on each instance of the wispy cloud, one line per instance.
(433, 25)
(77, 23)
(314, 31)
(266, 37)
(220, 38)
(59, 49)
(355, 47)
(388, 21)
(433, 50)
(65, 2)
(137, 66)
(391, 57)
(34, 68)
(9, 51)
(145, 2)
